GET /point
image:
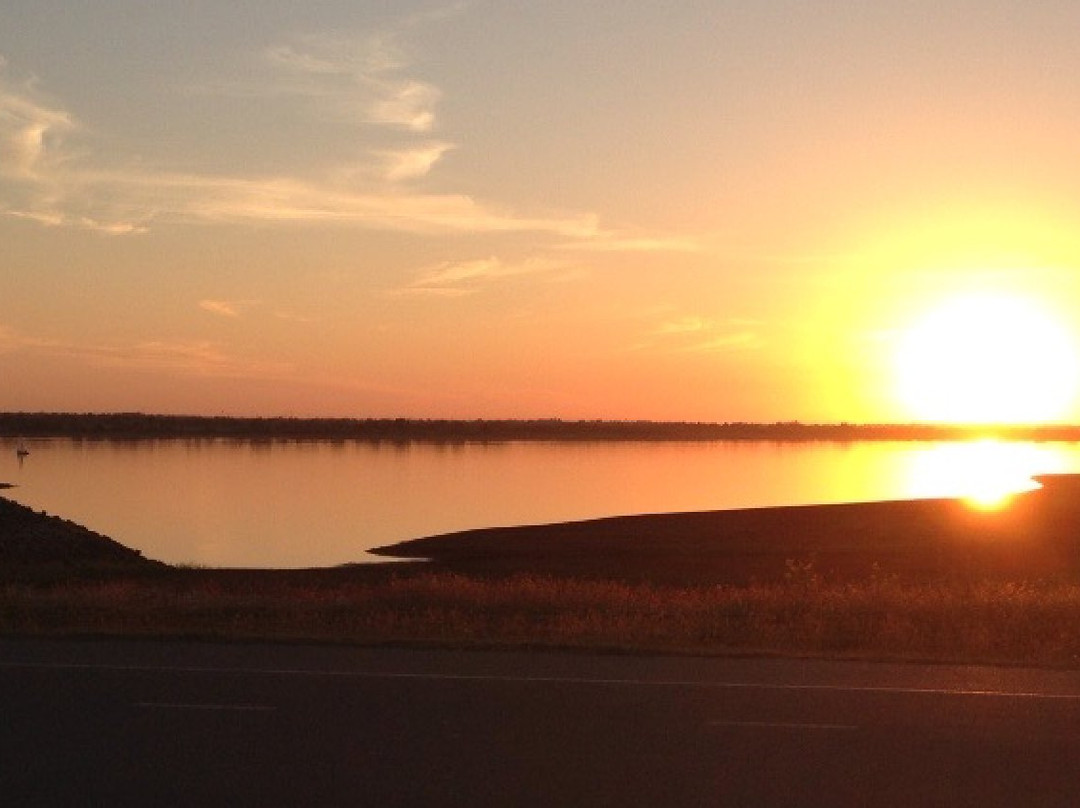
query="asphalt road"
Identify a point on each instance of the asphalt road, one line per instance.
(104, 723)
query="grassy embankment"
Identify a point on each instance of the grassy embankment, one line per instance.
(956, 621)
(970, 602)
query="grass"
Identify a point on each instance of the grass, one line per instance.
(804, 581)
(880, 617)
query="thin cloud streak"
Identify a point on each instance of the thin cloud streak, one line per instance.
(684, 325)
(606, 241)
(227, 308)
(189, 358)
(292, 317)
(726, 342)
(695, 334)
(131, 202)
(459, 278)
(235, 309)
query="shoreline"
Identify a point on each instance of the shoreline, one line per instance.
(1036, 535)
(942, 583)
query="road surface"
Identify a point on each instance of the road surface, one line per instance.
(154, 723)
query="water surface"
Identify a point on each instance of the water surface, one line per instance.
(297, 504)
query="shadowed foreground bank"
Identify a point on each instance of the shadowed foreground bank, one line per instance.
(900, 580)
(36, 546)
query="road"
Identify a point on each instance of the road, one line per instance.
(154, 723)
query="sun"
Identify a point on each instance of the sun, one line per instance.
(987, 358)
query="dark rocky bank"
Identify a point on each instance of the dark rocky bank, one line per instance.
(37, 546)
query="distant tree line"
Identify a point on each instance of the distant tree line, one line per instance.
(137, 426)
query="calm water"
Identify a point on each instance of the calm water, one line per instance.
(286, 504)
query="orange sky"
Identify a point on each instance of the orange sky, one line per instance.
(686, 211)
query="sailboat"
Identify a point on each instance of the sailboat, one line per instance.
(20, 450)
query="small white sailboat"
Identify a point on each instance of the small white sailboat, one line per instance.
(20, 450)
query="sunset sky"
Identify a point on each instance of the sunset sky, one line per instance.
(662, 210)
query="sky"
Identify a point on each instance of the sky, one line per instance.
(676, 210)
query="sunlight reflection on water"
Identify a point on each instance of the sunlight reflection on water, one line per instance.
(985, 473)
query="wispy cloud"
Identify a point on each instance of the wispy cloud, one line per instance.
(35, 156)
(692, 333)
(610, 241)
(12, 341)
(227, 308)
(45, 180)
(39, 176)
(30, 134)
(689, 324)
(410, 163)
(293, 317)
(199, 357)
(724, 342)
(290, 200)
(185, 357)
(235, 309)
(121, 201)
(363, 79)
(50, 175)
(458, 278)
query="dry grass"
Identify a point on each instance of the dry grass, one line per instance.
(1030, 623)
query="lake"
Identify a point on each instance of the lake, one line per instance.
(299, 504)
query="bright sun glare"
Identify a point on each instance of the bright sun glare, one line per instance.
(984, 473)
(987, 358)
